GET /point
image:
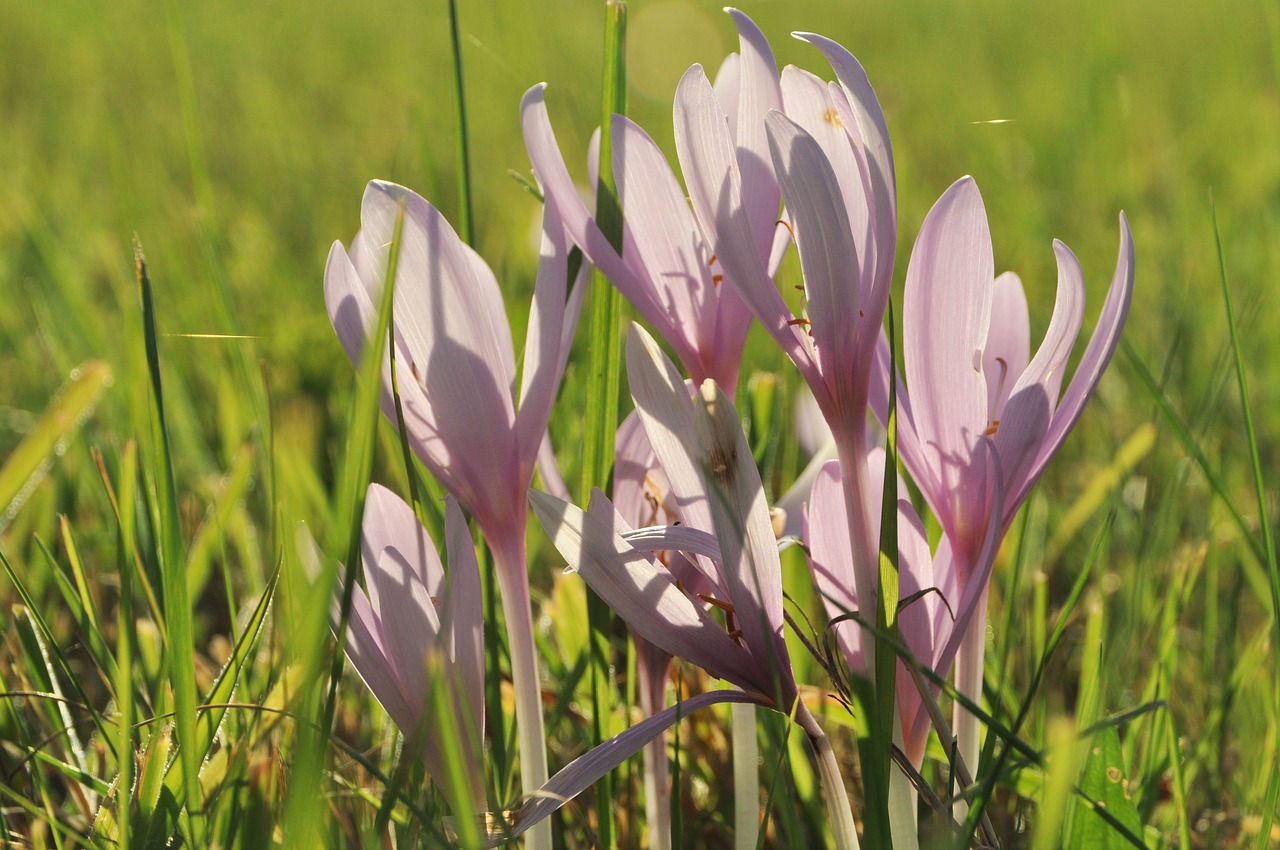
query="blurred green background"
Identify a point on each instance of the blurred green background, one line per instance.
(235, 140)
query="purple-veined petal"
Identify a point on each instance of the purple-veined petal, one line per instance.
(826, 531)
(643, 595)
(946, 311)
(1106, 336)
(1008, 342)
(583, 772)
(740, 516)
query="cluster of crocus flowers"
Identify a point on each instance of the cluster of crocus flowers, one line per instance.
(685, 552)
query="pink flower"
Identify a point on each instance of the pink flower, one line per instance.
(980, 417)
(410, 613)
(457, 379)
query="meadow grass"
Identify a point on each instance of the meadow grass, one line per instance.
(1134, 600)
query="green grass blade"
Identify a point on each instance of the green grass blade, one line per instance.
(180, 642)
(24, 468)
(602, 387)
(1264, 522)
(125, 559)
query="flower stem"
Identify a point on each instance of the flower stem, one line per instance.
(746, 777)
(513, 580)
(837, 798)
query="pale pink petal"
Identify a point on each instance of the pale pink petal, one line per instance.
(583, 772)
(1106, 336)
(709, 161)
(727, 82)
(740, 515)
(1008, 341)
(389, 523)
(662, 402)
(946, 310)
(660, 230)
(643, 594)
(827, 256)
(759, 92)
(544, 153)
(542, 350)
(465, 610)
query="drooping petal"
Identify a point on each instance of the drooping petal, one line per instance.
(643, 594)
(583, 772)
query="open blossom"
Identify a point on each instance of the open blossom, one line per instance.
(980, 417)
(824, 149)
(408, 613)
(457, 381)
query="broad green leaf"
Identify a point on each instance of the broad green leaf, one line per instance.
(1103, 781)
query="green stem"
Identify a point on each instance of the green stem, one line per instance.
(837, 798)
(601, 418)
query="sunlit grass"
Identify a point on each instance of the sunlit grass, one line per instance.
(1064, 113)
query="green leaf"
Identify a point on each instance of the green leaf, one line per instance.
(1104, 781)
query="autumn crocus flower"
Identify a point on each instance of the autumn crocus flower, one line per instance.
(406, 614)
(665, 269)
(717, 489)
(457, 379)
(826, 147)
(980, 417)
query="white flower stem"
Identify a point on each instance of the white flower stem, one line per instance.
(969, 663)
(903, 820)
(746, 777)
(513, 581)
(839, 811)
